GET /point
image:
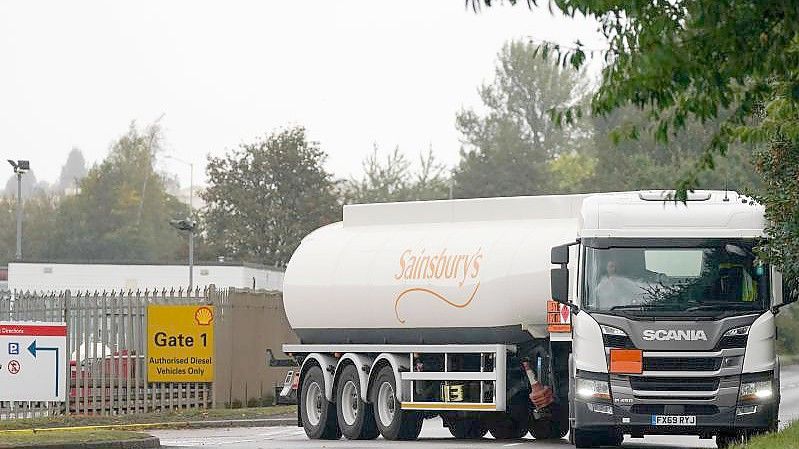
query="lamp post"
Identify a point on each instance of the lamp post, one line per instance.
(20, 167)
(188, 224)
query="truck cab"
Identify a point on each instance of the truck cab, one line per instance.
(672, 318)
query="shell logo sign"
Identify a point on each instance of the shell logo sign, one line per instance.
(459, 270)
(180, 346)
(204, 316)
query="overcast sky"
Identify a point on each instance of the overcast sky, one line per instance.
(354, 73)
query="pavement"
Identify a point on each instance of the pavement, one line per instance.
(434, 434)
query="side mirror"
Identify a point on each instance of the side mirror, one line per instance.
(560, 254)
(559, 283)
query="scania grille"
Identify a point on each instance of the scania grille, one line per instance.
(682, 363)
(618, 341)
(691, 384)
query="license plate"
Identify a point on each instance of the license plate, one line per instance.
(671, 420)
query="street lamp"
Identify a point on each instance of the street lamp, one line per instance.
(188, 224)
(20, 167)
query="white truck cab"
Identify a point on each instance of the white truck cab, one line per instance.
(672, 318)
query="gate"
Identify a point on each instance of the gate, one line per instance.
(107, 347)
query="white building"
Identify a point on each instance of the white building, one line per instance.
(45, 276)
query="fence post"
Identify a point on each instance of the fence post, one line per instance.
(67, 356)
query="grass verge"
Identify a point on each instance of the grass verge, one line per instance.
(148, 418)
(9, 440)
(787, 438)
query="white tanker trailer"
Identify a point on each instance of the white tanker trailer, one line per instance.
(407, 311)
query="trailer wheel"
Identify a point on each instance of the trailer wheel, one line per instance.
(356, 418)
(467, 428)
(507, 428)
(393, 422)
(318, 415)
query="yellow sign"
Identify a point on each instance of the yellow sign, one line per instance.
(180, 345)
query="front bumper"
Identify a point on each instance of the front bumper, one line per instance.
(725, 418)
(633, 410)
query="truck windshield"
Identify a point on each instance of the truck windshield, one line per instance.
(723, 277)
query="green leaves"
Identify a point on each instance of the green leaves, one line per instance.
(265, 196)
(533, 115)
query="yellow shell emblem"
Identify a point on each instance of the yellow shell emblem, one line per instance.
(204, 316)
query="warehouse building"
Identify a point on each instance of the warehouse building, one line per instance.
(51, 276)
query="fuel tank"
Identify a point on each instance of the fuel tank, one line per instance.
(435, 272)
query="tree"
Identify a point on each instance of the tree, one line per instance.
(40, 214)
(394, 180)
(122, 211)
(30, 185)
(73, 170)
(507, 150)
(631, 164)
(264, 197)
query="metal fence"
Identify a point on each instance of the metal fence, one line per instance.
(106, 340)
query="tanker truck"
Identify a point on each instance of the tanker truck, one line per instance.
(596, 315)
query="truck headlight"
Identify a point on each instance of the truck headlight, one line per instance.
(610, 330)
(737, 331)
(755, 390)
(593, 389)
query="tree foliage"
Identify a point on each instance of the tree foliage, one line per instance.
(394, 179)
(122, 211)
(72, 172)
(265, 196)
(507, 150)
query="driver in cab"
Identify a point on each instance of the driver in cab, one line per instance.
(616, 290)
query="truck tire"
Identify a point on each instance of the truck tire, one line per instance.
(392, 422)
(552, 428)
(318, 415)
(467, 428)
(507, 428)
(543, 429)
(356, 418)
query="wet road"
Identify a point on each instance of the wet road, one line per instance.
(435, 435)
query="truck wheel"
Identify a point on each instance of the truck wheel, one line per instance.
(318, 415)
(507, 429)
(555, 427)
(393, 422)
(356, 418)
(467, 429)
(543, 429)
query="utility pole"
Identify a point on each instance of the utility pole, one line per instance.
(20, 167)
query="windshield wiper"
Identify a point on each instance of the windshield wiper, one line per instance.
(640, 306)
(735, 305)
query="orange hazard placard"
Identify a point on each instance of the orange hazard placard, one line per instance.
(558, 317)
(626, 361)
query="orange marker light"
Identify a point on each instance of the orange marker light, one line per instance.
(626, 361)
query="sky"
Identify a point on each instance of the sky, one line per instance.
(354, 73)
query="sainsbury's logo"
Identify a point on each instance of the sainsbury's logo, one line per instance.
(459, 268)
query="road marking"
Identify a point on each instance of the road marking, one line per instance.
(512, 444)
